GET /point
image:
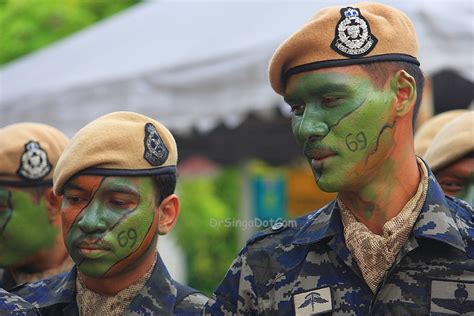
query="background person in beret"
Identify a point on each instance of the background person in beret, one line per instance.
(451, 157)
(391, 243)
(427, 131)
(31, 244)
(117, 177)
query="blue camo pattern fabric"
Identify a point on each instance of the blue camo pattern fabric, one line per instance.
(14, 305)
(57, 295)
(306, 269)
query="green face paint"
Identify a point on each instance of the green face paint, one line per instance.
(24, 226)
(467, 192)
(344, 124)
(107, 220)
(457, 179)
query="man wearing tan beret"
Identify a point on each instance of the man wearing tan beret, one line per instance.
(451, 157)
(31, 244)
(391, 243)
(117, 178)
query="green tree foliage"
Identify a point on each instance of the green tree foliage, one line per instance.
(210, 247)
(28, 25)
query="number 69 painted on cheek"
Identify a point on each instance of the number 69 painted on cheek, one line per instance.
(124, 237)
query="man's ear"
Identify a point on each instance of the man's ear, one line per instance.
(404, 87)
(53, 203)
(168, 211)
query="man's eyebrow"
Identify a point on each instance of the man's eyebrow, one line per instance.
(73, 186)
(320, 90)
(330, 87)
(121, 188)
(457, 177)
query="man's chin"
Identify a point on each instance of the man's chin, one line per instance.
(325, 184)
(91, 269)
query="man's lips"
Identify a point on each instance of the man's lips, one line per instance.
(320, 154)
(97, 244)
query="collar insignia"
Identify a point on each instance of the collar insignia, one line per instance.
(353, 37)
(34, 163)
(156, 152)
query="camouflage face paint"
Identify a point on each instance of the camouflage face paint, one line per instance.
(24, 226)
(109, 222)
(344, 124)
(457, 179)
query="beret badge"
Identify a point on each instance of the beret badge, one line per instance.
(156, 152)
(34, 163)
(353, 37)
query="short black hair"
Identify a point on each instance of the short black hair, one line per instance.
(382, 70)
(165, 185)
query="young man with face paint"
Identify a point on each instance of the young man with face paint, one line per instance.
(117, 178)
(391, 243)
(451, 157)
(31, 244)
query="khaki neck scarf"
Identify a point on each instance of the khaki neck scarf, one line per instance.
(92, 303)
(373, 253)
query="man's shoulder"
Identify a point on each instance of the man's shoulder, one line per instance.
(463, 215)
(55, 289)
(14, 305)
(191, 304)
(285, 245)
(285, 232)
(460, 208)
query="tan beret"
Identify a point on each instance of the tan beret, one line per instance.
(340, 36)
(425, 134)
(118, 144)
(29, 153)
(453, 141)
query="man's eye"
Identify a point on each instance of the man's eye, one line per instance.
(297, 109)
(330, 101)
(119, 204)
(451, 186)
(74, 199)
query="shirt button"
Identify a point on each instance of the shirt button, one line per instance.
(278, 226)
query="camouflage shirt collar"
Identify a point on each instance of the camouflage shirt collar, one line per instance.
(320, 225)
(158, 296)
(436, 220)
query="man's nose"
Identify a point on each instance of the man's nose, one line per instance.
(93, 220)
(313, 126)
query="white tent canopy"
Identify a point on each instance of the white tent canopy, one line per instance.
(193, 64)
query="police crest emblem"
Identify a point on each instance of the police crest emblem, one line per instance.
(156, 152)
(34, 163)
(353, 37)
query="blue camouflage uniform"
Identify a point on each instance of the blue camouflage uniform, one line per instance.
(14, 305)
(308, 270)
(161, 295)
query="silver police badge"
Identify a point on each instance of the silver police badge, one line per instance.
(156, 152)
(353, 37)
(34, 163)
